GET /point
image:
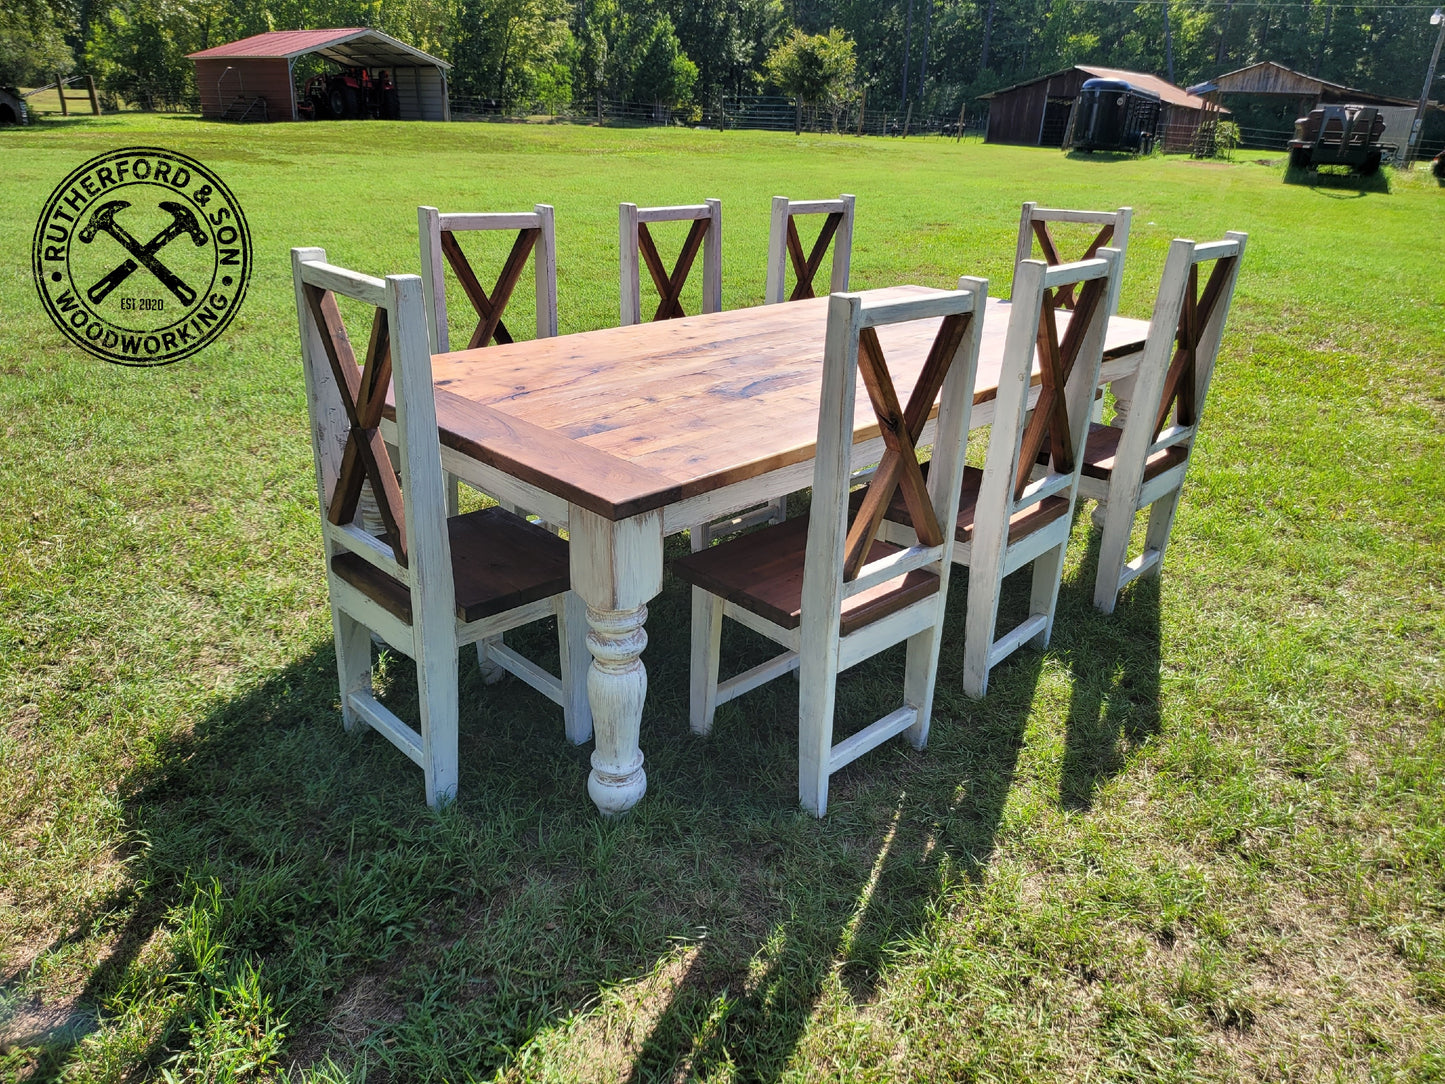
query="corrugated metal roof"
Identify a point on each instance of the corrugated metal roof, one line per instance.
(1241, 79)
(1167, 91)
(349, 45)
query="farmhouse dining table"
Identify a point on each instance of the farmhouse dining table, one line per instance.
(630, 434)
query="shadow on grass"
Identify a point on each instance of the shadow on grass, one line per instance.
(1114, 663)
(1339, 184)
(409, 944)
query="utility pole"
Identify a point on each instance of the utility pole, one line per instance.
(1418, 129)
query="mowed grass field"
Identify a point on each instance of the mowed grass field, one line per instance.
(1202, 839)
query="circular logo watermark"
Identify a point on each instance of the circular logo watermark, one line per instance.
(141, 256)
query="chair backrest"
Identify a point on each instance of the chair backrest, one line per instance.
(1181, 348)
(535, 231)
(1034, 225)
(635, 240)
(836, 566)
(345, 398)
(1069, 372)
(785, 246)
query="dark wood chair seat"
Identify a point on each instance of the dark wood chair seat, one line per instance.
(763, 573)
(1103, 445)
(1021, 524)
(499, 562)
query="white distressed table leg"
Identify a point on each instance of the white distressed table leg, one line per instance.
(616, 568)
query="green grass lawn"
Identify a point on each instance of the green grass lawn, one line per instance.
(1201, 839)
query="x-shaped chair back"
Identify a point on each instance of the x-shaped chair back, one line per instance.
(535, 234)
(1068, 370)
(635, 240)
(838, 548)
(1200, 325)
(1034, 225)
(786, 247)
(347, 397)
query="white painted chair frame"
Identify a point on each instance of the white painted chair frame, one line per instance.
(989, 555)
(431, 223)
(630, 217)
(817, 649)
(1119, 221)
(1146, 433)
(784, 211)
(435, 635)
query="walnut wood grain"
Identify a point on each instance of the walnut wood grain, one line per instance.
(627, 419)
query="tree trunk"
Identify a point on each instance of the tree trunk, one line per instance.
(1168, 46)
(907, 41)
(798, 119)
(987, 34)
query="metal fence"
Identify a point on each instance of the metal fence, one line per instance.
(758, 112)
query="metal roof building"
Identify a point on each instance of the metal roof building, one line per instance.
(262, 68)
(1037, 112)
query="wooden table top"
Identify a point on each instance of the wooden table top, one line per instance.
(628, 419)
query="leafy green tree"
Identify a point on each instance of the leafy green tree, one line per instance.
(815, 69)
(136, 55)
(663, 75)
(32, 44)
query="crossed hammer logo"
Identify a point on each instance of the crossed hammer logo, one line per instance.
(183, 221)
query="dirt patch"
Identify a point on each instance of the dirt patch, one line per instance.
(34, 1023)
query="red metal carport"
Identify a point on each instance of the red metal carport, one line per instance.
(261, 67)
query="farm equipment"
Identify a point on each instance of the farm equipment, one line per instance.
(350, 94)
(1113, 115)
(1338, 135)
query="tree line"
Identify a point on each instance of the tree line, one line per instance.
(561, 54)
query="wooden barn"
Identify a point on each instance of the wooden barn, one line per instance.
(254, 78)
(1293, 94)
(1036, 113)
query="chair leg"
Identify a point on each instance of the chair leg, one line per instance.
(436, 678)
(454, 495)
(1113, 553)
(353, 663)
(1161, 522)
(1048, 574)
(920, 675)
(817, 697)
(778, 509)
(707, 615)
(699, 535)
(492, 671)
(576, 661)
(978, 629)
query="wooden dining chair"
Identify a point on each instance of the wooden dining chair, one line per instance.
(824, 587)
(1141, 463)
(1034, 228)
(635, 240)
(1008, 519)
(430, 583)
(536, 234)
(785, 246)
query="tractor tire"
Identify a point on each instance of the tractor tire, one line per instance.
(321, 106)
(338, 103)
(390, 105)
(353, 104)
(1371, 165)
(1299, 158)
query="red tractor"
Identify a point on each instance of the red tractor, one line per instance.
(350, 94)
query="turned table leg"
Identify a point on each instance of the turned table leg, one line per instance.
(616, 568)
